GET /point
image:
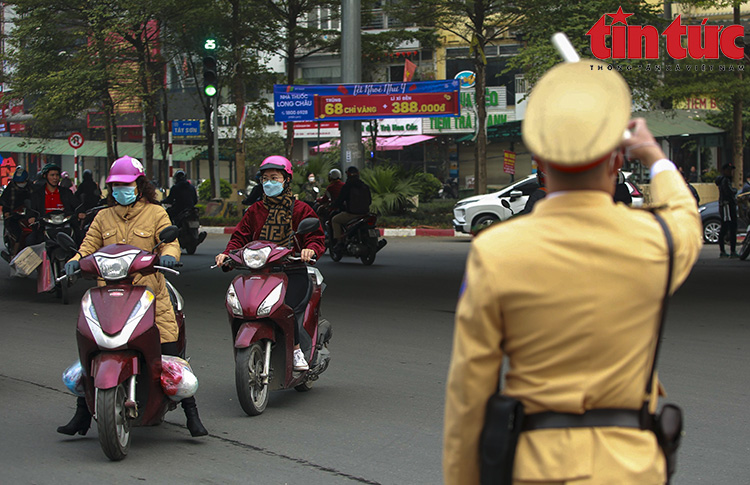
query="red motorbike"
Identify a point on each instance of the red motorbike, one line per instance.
(118, 342)
(263, 324)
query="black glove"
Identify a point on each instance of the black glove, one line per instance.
(71, 267)
(167, 261)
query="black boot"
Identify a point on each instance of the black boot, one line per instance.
(194, 424)
(81, 420)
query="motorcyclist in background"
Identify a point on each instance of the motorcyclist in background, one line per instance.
(256, 194)
(310, 190)
(353, 201)
(325, 201)
(12, 199)
(182, 196)
(274, 220)
(51, 197)
(136, 218)
(88, 191)
(66, 182)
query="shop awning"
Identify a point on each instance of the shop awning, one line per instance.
(16, 144)
(383, 142)
(666, 123)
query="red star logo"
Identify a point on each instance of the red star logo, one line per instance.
(619, 16)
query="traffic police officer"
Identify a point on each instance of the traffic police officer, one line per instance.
(571, 293)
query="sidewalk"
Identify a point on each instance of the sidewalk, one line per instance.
(400, 232)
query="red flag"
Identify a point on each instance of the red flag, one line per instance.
(409, 69)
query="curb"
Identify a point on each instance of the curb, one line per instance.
(400, 232)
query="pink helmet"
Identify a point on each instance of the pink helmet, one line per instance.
(126, 170)
(278, 162)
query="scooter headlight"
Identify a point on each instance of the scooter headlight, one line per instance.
(233, 301)
(115, 267)
(256, 258)
(267, 304)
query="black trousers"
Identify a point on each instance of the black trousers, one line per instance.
(728, 227)
(296, 296)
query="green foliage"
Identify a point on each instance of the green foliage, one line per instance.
(542, 18)
(258, 146)
(204, 189)
(220, 221)
(390, 190)
(320, 165)
(710, 176)
(427, 186)
(435, 214)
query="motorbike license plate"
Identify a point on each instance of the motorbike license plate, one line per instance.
(374, 233)
(194, 224)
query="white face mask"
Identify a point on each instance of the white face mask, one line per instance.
(311, 179)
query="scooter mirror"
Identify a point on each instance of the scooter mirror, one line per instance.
(169, 234)
(308, 225)
(66, 242)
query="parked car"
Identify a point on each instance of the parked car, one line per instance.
(477, 212)
(472, 214)
(712, 222)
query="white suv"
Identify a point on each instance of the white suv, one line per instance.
(479, 211)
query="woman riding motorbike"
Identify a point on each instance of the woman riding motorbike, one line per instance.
(273, 219)
(136, 218)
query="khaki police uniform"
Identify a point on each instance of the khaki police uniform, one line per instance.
(571, 294)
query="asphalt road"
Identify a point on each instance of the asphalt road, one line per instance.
(376, 415)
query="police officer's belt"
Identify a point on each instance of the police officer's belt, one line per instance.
(624, 418)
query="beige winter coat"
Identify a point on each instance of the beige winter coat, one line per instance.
(138, 225)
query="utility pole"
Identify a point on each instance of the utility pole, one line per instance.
(351, 72)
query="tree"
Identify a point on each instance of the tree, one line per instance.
(478, 23)
(298, 34)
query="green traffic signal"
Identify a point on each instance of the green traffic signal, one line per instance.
(210, 78)
(210, 44)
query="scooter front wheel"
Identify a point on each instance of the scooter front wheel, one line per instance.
(248, 370)
(112, 422)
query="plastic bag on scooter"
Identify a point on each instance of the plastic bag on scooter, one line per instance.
(26, 261)
(73, 379)
(44, 281)
(177, 378)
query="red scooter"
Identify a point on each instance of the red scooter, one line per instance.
(263, 325)
(118, 342)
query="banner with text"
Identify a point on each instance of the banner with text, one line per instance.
(332, 102)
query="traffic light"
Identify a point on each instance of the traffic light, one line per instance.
(210, 78)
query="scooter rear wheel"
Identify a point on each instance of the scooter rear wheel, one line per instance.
(248, 367)
(112, 422)
(745, 248)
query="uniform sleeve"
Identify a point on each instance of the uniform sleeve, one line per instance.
(669, 190)
(162, 222)
(93, 240)
(474, 371)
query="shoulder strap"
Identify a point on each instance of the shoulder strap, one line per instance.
(665, 300)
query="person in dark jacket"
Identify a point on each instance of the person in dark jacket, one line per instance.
(13, 198)
(274, 219)
(88, 191)
(182, 196)
(353, 201)
(256, 193)
(727, 210)
(538, 194)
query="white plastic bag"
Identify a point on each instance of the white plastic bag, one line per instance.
(26, 261)
(177, 378)
(73, 379)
